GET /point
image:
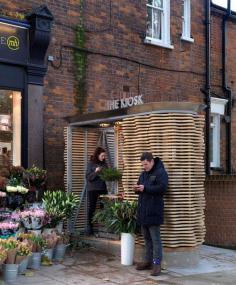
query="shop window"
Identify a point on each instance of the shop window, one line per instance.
(217, 110)
(158, 23)
(186, 24)
(10, 129)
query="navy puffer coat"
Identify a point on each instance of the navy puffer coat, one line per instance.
(150, 201)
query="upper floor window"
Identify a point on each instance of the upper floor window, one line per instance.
(186, 25)
(224, 4)
(158, 23)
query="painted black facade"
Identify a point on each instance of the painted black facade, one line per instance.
(23, 46)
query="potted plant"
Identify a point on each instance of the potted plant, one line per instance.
(10, 268)
(33, 218)
(60, 249)
(15, 192)
(111, 176)
(35, 178)
(120, 217)
(22, 256)
(59, 206)
(51, 241)
(39, 244)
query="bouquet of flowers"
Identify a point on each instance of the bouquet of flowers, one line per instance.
(23, 251)
(10, 245)
(3, 255)
(5, 214)
(14, 185)
(59, 205)
(2, 194)
(63, 239)
(35, 176)
(110, 174)
(39, 244)
(50, 239)
(16, 172)
(8, 228)
(33, 218)
(26, 238)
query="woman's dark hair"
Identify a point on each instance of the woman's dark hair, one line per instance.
(97, 152)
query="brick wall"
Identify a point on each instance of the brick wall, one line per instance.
(120, 35)
(117, 28)
(220, 210)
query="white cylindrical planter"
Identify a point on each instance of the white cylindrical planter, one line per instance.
(127, 249)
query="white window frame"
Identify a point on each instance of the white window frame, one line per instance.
(165, 28)
(217, 110)
(186, 22)
(215, 127)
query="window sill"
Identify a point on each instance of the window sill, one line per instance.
(157, 43)
(217, 169)
(187, 39)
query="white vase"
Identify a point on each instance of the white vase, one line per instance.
(127, 248)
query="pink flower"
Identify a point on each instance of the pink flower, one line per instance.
(8, 226)
(3, 194)
(36, 213)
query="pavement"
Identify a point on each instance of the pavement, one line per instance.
(90, 266)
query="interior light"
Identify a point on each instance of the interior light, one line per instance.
(104, 125)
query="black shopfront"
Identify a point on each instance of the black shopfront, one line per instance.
(23, 47)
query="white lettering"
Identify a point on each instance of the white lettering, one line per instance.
(140, 100)
(130, 101)
(124, 102)
(3, 40)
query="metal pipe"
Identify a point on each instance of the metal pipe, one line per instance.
(207, 91)
(227, 91)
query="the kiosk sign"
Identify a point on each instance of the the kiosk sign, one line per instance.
(125, 102)
(13, 43)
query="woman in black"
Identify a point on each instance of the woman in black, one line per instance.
(95, 185)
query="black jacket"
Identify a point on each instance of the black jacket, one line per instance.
(150, 201)
(94, 182)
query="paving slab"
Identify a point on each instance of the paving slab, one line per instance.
(89, 266)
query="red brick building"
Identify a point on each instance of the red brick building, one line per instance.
(153, 48)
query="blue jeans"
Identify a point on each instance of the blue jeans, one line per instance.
(153, 244)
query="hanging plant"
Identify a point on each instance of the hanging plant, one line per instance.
(80, 59)
(11, 14)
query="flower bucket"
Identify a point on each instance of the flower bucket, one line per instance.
(59, 252)
(127, 249)
(23, 266)
(59, 227)
(35, 232)
(48, 252)
(10, 272)
(29, 265)
(36, 260)
(48, 231)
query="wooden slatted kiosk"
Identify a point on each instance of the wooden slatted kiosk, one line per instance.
(172, 131)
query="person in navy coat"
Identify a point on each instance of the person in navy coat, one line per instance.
(152, 185)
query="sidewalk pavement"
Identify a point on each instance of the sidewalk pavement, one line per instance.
(89, 266)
